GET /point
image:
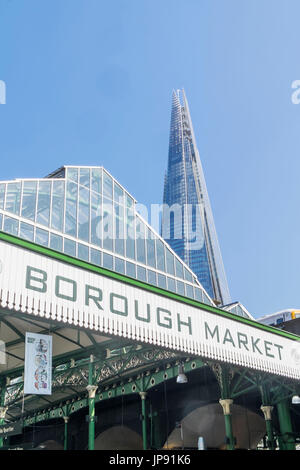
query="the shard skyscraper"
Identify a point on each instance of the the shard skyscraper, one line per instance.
(187, 220)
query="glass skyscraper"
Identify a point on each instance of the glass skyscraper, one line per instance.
(187, 220)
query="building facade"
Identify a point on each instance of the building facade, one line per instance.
(187, 221)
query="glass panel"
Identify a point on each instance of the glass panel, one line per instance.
(160, 255)
(187, 275)
(150, 245)
(2, 195)
(129, 201)
(41, 237)
(130, 234)
(119, 229)
(120, 265)
(118, 194)
(180, 287)
(151, 277)
(26, 231)
(29, 200)
(140, 241)
(56, 242)
(72, 174)
(43, 207)
(97, 180)
(189, 291)
(107, 186)
(84, 214)
(107, 223)
(71, 209)
(206, 299)
(69, 247)
(13, 196)
(107, 261)
(96, 257)
(162, 282)
(96, 225)
(179, 268)
(83, 252)
(84, 178)
(198, 294)
(141, 274)
(58, 198)
(1, 220)
(171, 284)
(11, 226)
(130, 269)
(170, 262)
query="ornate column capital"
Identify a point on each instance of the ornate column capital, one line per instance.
(226, 403)
(267, 411)
(3, 410)
(92, 390)
(66, 419)
(143, 395)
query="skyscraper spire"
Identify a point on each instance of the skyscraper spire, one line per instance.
(187, 222)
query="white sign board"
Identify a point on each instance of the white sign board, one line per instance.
(38, 364)
(39, 285)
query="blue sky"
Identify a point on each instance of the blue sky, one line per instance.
(89, 82)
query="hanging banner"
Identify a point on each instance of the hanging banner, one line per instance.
(38, 364)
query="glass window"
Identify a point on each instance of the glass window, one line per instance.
(13, 196)
(152, 277)
(72, 174)
(57, 210)
(160, 255)
(150, 244)
(43, 206)
(179, 268)
(84, 178)
(26, 231)
(69, 247)
(171, 284)
(170, 262)
(2, 195)
(198, 294)
(141, 274)
(41, 237)
(107, 223)
(107, 186)
(206, 299)
(187, 275)
(1, 220)
(189, 291)
(120, 265)
(140, 241)
(180, 287)
(11, 226)
(96, 224)
(119, 229)
(97, 180)
(83, 252)
(107, 261)
(96, 257)
(130, 234)
(162, 281)
(84, 214)
(129, 201)
(56, 242)
(118, 194)
(71, 209)
(29, 200)
(130, 269)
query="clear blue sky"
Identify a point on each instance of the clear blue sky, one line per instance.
(89, 82)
